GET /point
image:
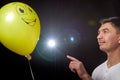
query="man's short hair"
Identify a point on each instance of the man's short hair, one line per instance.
(115, 21)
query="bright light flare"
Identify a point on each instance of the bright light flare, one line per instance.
(51, 43)
(72, 39)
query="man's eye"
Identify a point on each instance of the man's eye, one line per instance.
(105, 31)
(98, 32)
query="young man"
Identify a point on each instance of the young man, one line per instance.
(109, 42)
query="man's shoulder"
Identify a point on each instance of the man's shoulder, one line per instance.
(102, 64)
(98, 71)
(100, 67)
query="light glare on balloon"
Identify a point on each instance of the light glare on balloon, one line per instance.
(10, 16)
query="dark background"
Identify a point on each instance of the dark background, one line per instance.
(60, 19)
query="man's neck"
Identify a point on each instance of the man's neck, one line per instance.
(113, 58)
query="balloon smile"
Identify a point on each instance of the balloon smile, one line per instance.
(30, 22)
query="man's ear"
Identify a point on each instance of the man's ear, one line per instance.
(119, 39)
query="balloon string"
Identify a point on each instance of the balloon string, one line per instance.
(31, 70)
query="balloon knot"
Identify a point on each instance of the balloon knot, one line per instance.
(28, 57)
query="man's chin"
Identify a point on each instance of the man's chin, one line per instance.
(102, 49)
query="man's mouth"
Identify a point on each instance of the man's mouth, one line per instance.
(101, 43)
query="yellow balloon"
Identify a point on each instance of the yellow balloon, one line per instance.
(19, 28)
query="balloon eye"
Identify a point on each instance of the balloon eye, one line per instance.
(30, 10)
(21, 10)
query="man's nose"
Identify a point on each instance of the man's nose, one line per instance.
(99, 36)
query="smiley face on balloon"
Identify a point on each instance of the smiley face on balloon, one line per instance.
(19, 27)
(27, 14)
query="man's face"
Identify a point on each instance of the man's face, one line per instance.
(108, 37)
